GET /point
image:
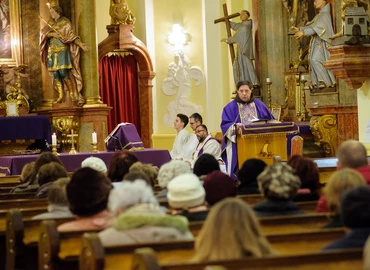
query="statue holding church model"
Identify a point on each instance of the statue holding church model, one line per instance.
(60, 53)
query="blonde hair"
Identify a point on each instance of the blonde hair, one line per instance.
(231, 231)
(148, 169)
(340, 182)
(27, 170)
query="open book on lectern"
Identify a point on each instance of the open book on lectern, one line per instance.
(257, 121)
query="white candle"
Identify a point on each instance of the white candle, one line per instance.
(268, 80)
(94, 138)
(54, 139)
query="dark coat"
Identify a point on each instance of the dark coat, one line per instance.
(355, 238)
(268, 208)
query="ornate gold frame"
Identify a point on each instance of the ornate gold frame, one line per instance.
(15, 35)
(276, 111)
(12, 108)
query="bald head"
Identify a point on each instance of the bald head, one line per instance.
(351, 154)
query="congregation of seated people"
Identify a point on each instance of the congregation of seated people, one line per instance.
(128, 202)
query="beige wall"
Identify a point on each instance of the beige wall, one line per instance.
(363, 101)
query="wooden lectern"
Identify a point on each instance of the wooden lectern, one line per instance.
(264, 141)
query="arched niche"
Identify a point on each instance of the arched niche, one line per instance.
(120, 38)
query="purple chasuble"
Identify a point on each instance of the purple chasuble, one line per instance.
(231, 116)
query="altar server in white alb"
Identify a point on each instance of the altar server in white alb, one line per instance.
(206, 144)
(179, 145)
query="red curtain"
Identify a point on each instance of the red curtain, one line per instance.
(119, 89)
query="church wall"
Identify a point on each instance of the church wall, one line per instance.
(363, 102)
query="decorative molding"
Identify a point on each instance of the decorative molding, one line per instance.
(350, 63)
(324, 130)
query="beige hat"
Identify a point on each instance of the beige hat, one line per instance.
(185, 191)
(94, 163)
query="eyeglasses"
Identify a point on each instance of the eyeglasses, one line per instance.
(199, 131)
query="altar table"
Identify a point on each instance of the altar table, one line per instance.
(25, 127)
(12, 165)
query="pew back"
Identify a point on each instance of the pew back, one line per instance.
(145, 259)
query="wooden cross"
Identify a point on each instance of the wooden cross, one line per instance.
(228, 28)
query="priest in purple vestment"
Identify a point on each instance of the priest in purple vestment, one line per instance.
(241, 111)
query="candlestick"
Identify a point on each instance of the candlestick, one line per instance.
(268, 80)
(54, 150)
(269, 93)
(54, 139)
(94, 138)
(95, 148)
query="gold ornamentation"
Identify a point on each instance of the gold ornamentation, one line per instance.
(324, 129)
(63, 127)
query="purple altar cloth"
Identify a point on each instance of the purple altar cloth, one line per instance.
(286, 127)
(25, 127)
(12, 165)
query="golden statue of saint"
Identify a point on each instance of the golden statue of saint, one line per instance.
(120, 13)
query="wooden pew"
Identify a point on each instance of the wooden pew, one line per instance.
(10, 181)
(95, 256)
(309, 206)
(22, 236)
(146, 259)
(22, 203)
(280, 224)
(17, 196)
(59, 250)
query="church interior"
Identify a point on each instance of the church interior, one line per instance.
(129, 69)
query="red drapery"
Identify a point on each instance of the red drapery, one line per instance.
(119, 89)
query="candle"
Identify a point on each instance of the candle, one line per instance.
(54, 139)
(94, 138)
(268, 80)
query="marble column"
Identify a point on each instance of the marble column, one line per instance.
(85, 19)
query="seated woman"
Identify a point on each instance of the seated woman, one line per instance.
(148, 169)
(31, 183)
(308, 172)
(231, 231)
(279, 185)
(48, 173)
(338, 184)
(355, 213)
(87, 194)
(58, 206)
(186, 197)
(247, 176)
(168, 172)
(218, 186)
(139, 219)
(205, 164)
(120, 164)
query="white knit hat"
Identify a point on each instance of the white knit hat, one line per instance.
(95, 163)
(185, 191)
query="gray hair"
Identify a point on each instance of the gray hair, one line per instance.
(170, 170)
(279, 181)
(129, 194)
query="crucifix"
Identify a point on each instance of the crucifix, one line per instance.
(228, 28)
(73, 150)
